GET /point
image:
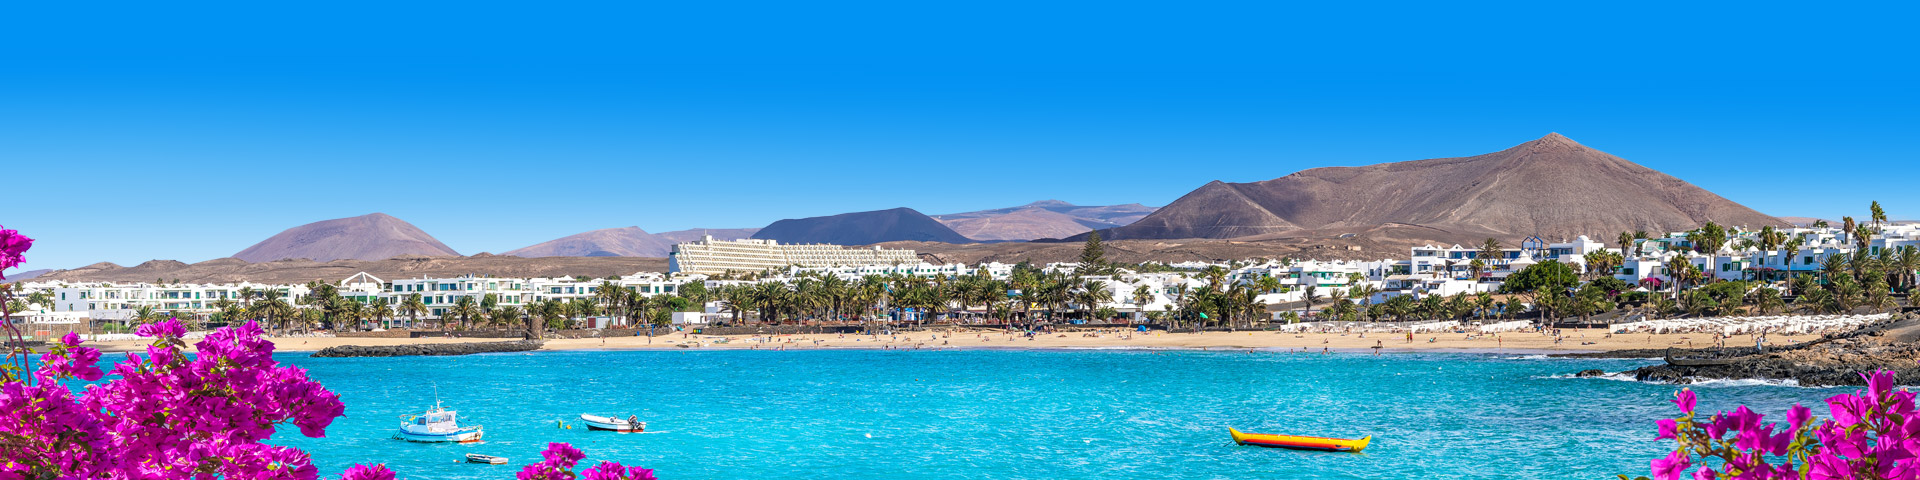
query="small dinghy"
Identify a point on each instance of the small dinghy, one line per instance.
(1297, 442)
(596, 422)
(486, 459)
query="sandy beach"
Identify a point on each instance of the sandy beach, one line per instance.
(1573, 340)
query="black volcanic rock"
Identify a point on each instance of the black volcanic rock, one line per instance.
(430, 349)
(1553, 187)
(862, 228)
(376, 236)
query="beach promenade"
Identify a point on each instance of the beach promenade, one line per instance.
(1572, 340)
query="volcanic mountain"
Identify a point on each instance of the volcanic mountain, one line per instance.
(1042, 219)
(1552, 187)
(609, 242)
(376, 236)
(862, 228)
(688, 235)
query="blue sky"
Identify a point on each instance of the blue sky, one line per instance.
(141, 131)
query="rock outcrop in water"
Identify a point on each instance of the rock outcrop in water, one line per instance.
(435, 349)
(1828, 361)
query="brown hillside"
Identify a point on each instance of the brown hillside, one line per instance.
(1553, 187)
(1042, 219)
(609, 242)
(367, 237)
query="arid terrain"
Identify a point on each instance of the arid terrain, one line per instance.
(367, 237)
(1552, 186)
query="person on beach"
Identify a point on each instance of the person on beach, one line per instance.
(1376, 347)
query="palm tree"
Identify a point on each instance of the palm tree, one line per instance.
(145, 314)
(503, 316)
(1879, 215)
(1906, 262)
(1791, 249)
(1365, 293)
(612, 297)
(1400, 306)
(1679, 270)
(1831, 267)
(1767, 300)
(347, 312)
(465, 309)
(378, 310)
(1489, 253)
(233, 313)
(1267, 284)
(273, 308)
(1311, 293)
(1626, 243)
(42, 298)
(412, 307)
(1483, 302)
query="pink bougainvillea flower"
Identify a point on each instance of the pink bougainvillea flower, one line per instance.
(1879, 383)
(1669, 429)
(1826, 466)
(363, 472)
(1704, 473)
(13, 248)
(167, 329)
(1743, 419)
(1685, 400)
(1798, 415)
(1671, 466)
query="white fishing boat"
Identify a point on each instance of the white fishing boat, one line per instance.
(596, 422)
(437, 425)
(486, 459)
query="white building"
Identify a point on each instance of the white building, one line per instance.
(112, 301)
(713, 257)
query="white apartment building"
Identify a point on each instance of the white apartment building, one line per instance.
(111, 301)
(713, 257)
(440, 294)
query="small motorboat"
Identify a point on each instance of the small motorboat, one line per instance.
(1297, 442)
(487, 459)
(436, 426)
(596, 422)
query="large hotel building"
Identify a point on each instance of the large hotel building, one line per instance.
(714, 257)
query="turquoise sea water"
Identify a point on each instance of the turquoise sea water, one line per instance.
(1011, 414)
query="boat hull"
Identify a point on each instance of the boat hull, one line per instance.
(1298, 442)
(596, 422)
(465, 436)
(486, 459)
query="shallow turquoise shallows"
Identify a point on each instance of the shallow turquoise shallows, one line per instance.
(1016, 414)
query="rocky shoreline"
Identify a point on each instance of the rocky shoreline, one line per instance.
(437, 349)
(1836, 360)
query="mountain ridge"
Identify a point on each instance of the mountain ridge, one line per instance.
(862, 228)
(1549, 186)
(374, 236)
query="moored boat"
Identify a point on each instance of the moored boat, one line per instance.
(487, 459)
(437, 425)
(1300, 442)
(596, 422)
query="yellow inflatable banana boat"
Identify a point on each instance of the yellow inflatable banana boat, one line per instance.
(1298, 442)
